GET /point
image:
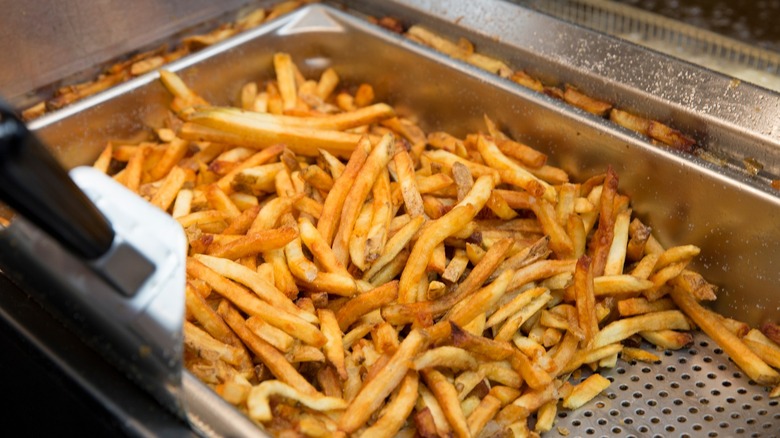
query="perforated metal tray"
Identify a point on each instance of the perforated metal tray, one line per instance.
(685, 199)
(693, 392)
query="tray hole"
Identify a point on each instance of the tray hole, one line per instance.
(723, 425)
(696, 368)
(674, 385)
(621, 371)
(700, 384)
(562, 415)
(663, 394)
(773, 403)
(708, 418)
(742, 391)
(668, 353)
(737, 375)
(600, 405)
(655, 420)
(640, 412)
(758, 397)
(704, 344)
(677, 402)
(707, 359)
(637, 394)
(625, 403)
(629, 421)
(682, 419)
(704, 401)
(717, 351)
(682, 360)
(669, 428)
(712, 434)
(616, 430)
(652, 402)
(689, 393)
(746, 407)
(762, 412)
(671, 369)
(666, 411)
(715, 392)
(739, 430)
(767, 425)
(576, 423)
(686, 377)
(634, 378)
(588, 414)
(602, 422)
(735, 415)
(696, 427)
(730, 400)
(751, 421)
(726, 383)
(648, 386)
(660, 377)
(720, 409)
(646, 370)
(693, 410)
(623, 387)
(590, 431)
(712, 376)
(614, 412)
(722, 367)
(643, 429)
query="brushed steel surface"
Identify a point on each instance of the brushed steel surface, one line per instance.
(696, 391)
(43, 41)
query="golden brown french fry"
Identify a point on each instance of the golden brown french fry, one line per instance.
(259, 406)
(242, 298)
(584, 391)
(270, 356)
(623, 328)
(447, 396)
(585, 300)
(357, 192)
(374, 392)
(397, 410)
(255, 243)
(435, 234)
(748, 361)
(366, 302)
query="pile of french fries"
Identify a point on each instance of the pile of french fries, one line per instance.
(352, 275)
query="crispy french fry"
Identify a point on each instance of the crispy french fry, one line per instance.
(748, 361)
(585, 391)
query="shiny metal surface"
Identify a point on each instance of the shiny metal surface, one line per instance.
(686, 200)
(692, 392)
(43, 41)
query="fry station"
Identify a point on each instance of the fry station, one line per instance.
(390, 218)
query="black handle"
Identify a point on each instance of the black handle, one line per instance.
(34, 184)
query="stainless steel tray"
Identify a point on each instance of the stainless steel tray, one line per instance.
(686, 200)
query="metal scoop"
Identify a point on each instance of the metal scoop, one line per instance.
(99, 257)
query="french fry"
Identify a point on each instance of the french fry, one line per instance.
(585, 391)
(259, 406)
(373, 393)
(748, 361)
(447, 397)
(397, 410)
(445, 226)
